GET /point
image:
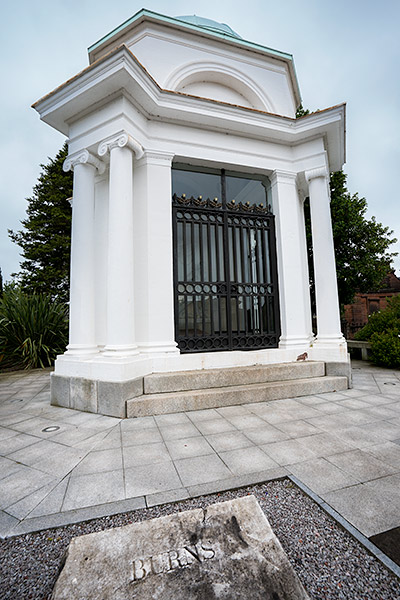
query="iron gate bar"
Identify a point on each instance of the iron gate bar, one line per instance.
(230, 248)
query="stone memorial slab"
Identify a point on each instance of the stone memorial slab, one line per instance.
(225, 551)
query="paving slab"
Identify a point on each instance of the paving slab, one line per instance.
(137, 437)
(145, 454)
(324, 444)
(288, 452)
(361, 465)
(266, 434)
(188, 447)
(245, 421)
(365, 508)
(98, 461)
(24, 507)
(332, 442)
(152, 478)
(52, 503)
(206, 414)
(322, 476)
(178, 431)
(20, 483)
(7, 523)
(94, 488)
(18, 441)
(230, 440)
(388, 452)
(201, 469)
(298, 429)
(217, 425)
(247, 460)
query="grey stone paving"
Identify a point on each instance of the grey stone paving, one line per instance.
(344, 446)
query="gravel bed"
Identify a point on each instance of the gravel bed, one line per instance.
(330, 563)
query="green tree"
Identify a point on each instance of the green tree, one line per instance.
(362, 246)
(45, 237)
(301, 112)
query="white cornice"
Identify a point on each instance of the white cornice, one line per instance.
(120, 72)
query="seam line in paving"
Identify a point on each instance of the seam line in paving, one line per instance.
(69, 517)
(123, 456)
(169, 453)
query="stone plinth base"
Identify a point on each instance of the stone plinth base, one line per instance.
(90, 395)
(177, 391)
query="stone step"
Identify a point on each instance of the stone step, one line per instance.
(179, 381)
(172, 402)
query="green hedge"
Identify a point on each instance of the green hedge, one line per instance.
(383, 333)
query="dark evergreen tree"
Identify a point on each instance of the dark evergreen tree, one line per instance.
(45, 237)
(301, 112)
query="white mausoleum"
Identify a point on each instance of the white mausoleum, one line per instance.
(188, 238)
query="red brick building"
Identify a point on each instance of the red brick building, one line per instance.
(356, 314)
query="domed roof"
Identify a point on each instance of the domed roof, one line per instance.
(209, 24)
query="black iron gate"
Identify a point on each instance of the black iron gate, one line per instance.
(225, 275)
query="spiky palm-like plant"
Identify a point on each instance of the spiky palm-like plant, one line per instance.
(33, 329)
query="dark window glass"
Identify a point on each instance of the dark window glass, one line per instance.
(195, 184)
(245, 190)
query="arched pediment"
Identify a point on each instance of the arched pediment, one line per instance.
(219, 82)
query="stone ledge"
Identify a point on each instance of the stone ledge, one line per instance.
(158, 404)
(179, 381)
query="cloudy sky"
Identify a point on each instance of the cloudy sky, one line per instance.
(344, 51)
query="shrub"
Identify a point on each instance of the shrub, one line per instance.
(385, 349)
(382, 321)
(33, 329)
(383, 332)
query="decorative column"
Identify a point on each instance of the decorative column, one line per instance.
(82, 335)
(293, 278)
(326, 291)
(120, 339)
(154, 307)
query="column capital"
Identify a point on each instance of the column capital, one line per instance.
(315, 173)
(281, 176)
(81, 158)
(121, 140)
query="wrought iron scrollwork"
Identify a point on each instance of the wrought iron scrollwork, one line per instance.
(249, 208)
(198, 202)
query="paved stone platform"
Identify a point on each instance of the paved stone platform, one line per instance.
(60, 466)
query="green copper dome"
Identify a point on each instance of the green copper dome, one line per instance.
(209, 24)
